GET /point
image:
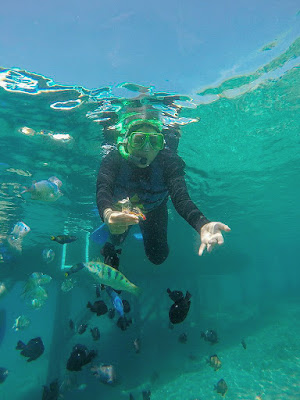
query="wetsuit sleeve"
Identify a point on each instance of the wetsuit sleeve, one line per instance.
(174, 176)
(107, 174)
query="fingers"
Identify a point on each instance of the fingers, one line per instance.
(123, 218)
(223, 227)
(201, 249)
(216, 238)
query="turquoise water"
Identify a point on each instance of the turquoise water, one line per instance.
(243, 169)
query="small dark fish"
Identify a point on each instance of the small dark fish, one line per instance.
(63, 239)
(111, 313)
(110, 254)
(131, 396)
(126, 306)
(79, 357)
(210, 336)
(95, 333)
(3, 374)
(75, 268)
(32, 350)
(71, 324)
(182, 338)
(221, 387)
(243, 343)
(214, 362)
(146, 395)
(99, 307)
(123, 323)
(179, 310)
(51, 392)
(137, 345)
(82, 328)
(175, 295)
(98, 290)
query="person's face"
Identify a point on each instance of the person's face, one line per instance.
(147, 151)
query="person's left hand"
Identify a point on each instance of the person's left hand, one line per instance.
(211, 235)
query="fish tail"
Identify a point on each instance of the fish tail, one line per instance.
(20, 345)
(135, 290)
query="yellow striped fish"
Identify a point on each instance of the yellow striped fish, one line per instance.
(106, 275)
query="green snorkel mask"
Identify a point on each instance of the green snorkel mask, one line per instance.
(128, 130)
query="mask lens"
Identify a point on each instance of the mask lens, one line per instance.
(157, 141)
(137, 140)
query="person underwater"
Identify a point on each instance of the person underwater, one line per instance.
(146, 172)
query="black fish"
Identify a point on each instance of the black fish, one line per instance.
(75, 268)
(243, 343)
(32, 350)
(179, 310)
(221, 387)
(51, 392)
(182, 338)
(71, 324)
(210, 336)
(79, 357)
(146, 395)
(111, 313)
(175, 295)
(126, 306)
(3, 374)
(123, 323)
(99, 307)
(63, 239)
(95, 333)
(110, 254)
(81, 329)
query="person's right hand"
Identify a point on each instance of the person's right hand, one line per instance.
(118, 221)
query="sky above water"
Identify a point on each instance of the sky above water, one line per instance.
(175, 45)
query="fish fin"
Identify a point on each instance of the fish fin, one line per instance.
(89, 305)
(188, 295)
(135, 290)
(100, 235)
(20, 345)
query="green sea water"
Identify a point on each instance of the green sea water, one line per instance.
(242, 168)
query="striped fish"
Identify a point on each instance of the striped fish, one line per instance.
(106, 275)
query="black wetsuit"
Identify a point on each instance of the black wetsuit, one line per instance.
(154, 228)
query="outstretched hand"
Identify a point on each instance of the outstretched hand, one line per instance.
(118, 222)
(211, 235)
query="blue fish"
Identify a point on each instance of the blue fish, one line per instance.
(116, 300)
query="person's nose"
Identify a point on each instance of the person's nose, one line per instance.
(147, 146)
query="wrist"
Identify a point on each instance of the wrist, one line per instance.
(106, 215)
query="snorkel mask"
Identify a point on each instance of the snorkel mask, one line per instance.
(138, 140)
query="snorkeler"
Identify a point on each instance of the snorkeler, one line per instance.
(146, 172)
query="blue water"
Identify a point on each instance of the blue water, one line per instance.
(240, 142)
